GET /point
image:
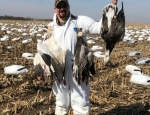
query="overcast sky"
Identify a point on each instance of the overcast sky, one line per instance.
(136, 11)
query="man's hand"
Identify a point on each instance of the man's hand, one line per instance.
(114, 2)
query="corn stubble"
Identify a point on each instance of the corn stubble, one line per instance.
(111, 92)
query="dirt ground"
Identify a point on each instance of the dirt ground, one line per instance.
(111, 92)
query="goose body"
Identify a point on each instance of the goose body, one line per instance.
(113, 28)
(83, 60)
(50, 58)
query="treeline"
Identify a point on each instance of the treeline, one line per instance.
(6, 17)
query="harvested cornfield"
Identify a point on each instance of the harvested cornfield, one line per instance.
(111, 92)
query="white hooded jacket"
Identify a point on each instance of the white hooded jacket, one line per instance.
(66, 35)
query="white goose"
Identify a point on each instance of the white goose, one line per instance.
(51, 58)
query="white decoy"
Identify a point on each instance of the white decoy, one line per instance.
(15, 70)
(16, 39)
(10, 47)
(90, 42)
(32, 34)
(5, 38)
(25, 34)
(9, 32)
(140, 79)
(136, 36)
(99, 54)
(132, 41)
(143, 60)
(134, 53)
(126, 38)
(141, 38)
(133, 70)
(3, 29)
(96, 47)
(28, 55)
(39, 35)
(27, 41)
(20, 30)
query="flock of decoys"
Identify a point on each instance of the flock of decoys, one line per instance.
(47, 63)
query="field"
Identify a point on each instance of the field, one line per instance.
(111, 92)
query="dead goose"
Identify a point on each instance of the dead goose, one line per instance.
(113, 28)
(42, 62)
(52, 57)
(83, 60)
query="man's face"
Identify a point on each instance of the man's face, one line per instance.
(62, 10)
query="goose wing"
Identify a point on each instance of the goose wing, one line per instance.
(56, 68)
(58, 57)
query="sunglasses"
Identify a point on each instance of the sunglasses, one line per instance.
(61, 6)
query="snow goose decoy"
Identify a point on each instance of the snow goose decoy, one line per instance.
(143, 60)
(96, 47)
(5, 38)
(137, 76)
(133, 70)
(112, 29)
(140, 79)
(99, 54)
(83, 60)
(15, 70)
(27, 41)
(28, 55)
(134, 53)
